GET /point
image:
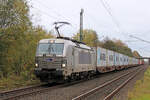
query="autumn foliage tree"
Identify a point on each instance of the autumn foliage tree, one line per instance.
(18, 39)
(136, 54)
(90, 37)
(116, 45)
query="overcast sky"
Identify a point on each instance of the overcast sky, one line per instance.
(129, 17)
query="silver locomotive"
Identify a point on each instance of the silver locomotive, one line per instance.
(63, 59)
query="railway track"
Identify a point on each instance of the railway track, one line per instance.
(27, 91)
(107, 90)
(32, 90)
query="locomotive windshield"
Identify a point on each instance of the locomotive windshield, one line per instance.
(50, 48)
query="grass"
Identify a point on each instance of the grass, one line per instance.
(141, 90)
(16, 82)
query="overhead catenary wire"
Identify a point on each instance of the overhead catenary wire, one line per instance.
(45, 13)
(110, 13)
(45, 6)
(54, 20)
(58, 14)
(139, 39)
(92, 19)
(129, 40)
(107, 7)
(145, 50)
(115, 21)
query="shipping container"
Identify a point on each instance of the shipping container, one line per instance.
(116, 60)
(110, 58)
(101, 57)
(121, 59)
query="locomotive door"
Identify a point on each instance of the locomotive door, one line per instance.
(75, 57)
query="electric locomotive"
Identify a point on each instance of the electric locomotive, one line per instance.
(62, 58)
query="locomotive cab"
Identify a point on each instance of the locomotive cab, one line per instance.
(50, 59)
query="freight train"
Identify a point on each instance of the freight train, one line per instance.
(61, 59)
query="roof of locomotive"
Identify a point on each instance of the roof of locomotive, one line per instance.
(67, 42)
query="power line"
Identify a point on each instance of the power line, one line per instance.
(107, 5)
(58, 14)
(44, 5)
(108, 9)
(92, 18)
(53, 17)
(130, 40)
(143, 49)
(139, 39)
(109, 12)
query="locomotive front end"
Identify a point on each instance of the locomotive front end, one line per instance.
(50, 60)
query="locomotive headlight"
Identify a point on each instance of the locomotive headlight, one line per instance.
(36, 65)
(63, 65)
